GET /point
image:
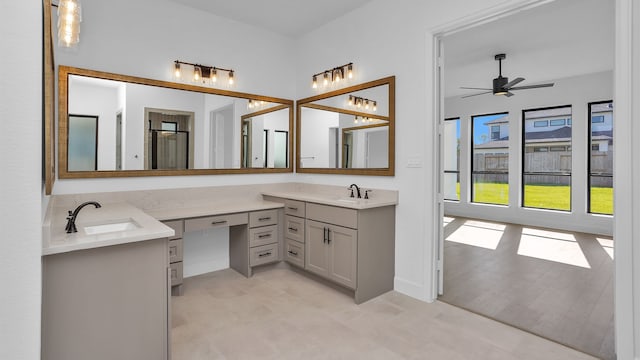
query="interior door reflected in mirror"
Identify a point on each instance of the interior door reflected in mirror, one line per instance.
(144, 127)
(348, 131)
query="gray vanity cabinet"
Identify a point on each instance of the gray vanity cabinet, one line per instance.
(331, 252)
(176, 246)
(107, 303)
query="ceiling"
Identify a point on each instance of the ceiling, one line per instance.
(287, 17)
(560, 39)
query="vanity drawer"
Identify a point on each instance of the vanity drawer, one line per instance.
(263, 218)
(294, 252)
(263, 254)
(176, 273)
(175, 250)
(294, 207)
(333, 215)
(212, 222)
(177, 226)
(294, 228)
(263, 235)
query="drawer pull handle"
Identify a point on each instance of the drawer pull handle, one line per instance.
(265, 254)
(264, 236)
(293, 229)
(292, 208)
(264, 218)
(219, 222)
(293, 253)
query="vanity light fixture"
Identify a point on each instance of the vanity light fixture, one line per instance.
(255, 104)
(333, 76)
(360, 102)
(363, 119)
(69, 18)
(203, 74)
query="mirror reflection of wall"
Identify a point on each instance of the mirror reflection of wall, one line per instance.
(265, 139)
(83, 143)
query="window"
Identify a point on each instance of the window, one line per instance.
(600, 180)
(546, 175)
(495, 132)
(557, 122)
(169, 126)
(452, 159)
(490, 160)
(541, 123)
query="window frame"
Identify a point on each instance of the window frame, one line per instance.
(523, 174)
(445, 171)
(590, 151)
(485, 172)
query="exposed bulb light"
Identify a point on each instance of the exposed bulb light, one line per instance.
(350, 71)
(366, 104)
(214, 76)
(325, 82)
(197, 74)
(201, 74)
(375, 106)
(176, 72)
(314, 84)
(350, 100)
(337, 74)
(231, 79)
(360, 102)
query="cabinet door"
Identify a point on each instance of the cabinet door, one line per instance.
(343, 255)
(316, 248)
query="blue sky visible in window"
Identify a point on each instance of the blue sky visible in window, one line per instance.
(481, 131)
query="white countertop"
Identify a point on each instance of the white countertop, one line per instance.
(212, 209)
(55, 240)
(388, 199)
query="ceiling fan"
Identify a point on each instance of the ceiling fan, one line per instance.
(502, 85)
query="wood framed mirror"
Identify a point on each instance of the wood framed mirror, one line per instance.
(348, 131)
(146, 127)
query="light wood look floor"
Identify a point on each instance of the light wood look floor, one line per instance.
(556, 284)
(281, 314)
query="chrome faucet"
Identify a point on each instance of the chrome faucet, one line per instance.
(357, 190)
(71, 219)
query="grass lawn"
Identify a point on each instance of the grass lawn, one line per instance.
(557, 197)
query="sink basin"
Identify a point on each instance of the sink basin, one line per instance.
(115, 226)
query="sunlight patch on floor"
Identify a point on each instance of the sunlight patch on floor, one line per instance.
(478, 233)
(607, 245)
(552, 246)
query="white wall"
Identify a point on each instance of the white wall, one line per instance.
(314, 149)
(20, 179)
(574, 91)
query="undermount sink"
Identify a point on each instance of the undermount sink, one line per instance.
(115, 226)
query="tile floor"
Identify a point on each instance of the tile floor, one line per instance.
(281, 314)
(556, 284)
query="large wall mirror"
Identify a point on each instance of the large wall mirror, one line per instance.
(113, 125)
(348, 131)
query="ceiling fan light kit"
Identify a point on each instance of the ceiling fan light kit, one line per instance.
(502, 85)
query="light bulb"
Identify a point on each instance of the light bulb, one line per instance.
(359, 102)
(214, 76)
(356, 120)
(366, 104)
(314, 84)
(350, 100)
(176, 71)
(231, 80)
(375, 106)
(337, 76)
(197, 73)
(350, 71)
(325, 82)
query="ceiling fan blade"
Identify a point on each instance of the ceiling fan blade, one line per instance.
(472, 88)
(532, 86)
(509, 94)
(484, 92)
(513, 82)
